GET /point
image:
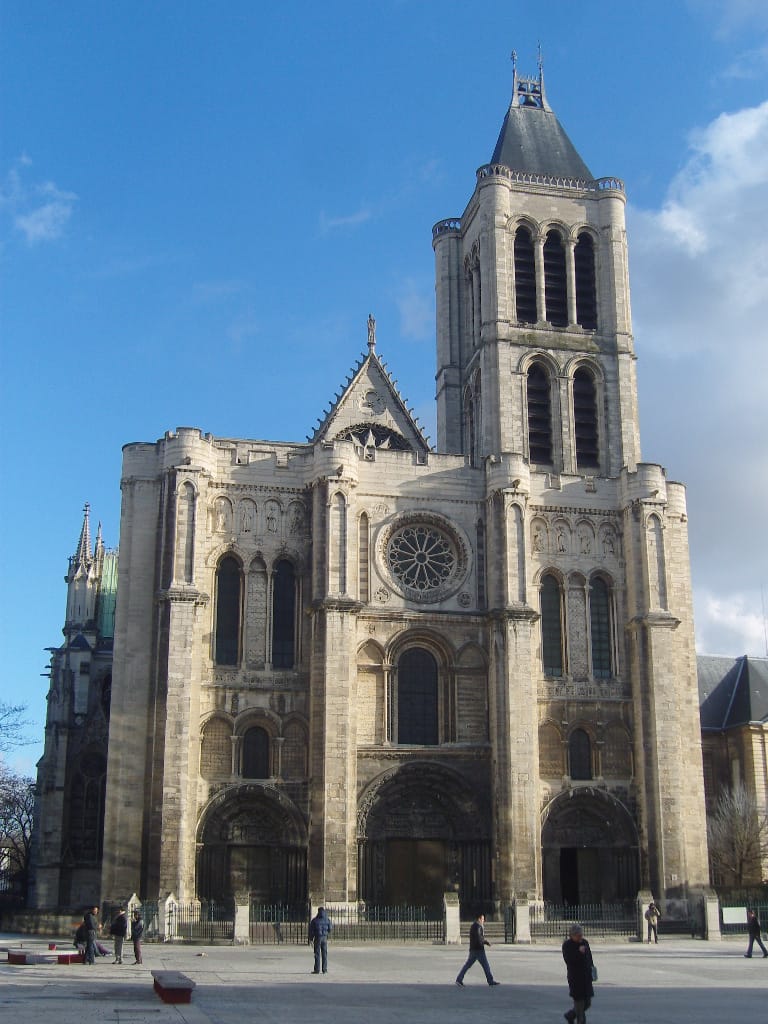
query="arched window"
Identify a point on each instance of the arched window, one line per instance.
(555, 293)
(584, 269)
(551, 626)
(600, 626)
(106, 695)
(417, 703)
(256, 754)
(228, 603)
(585, 419)
(579, 755)
(363, 568)
(283, 615)
(469, 420)
(525, 277)
(539, 415)
(87, 800)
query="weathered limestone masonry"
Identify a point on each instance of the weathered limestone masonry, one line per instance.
(361, 670)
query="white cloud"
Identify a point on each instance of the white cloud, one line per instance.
(40, 211)
(350, 220)
(699, 269)
(729, 624)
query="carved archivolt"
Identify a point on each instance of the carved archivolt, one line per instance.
(421, 800)
(253, 815)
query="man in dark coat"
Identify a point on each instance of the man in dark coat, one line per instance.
(91, 922)
(578, 961)
(119, 929)
(319, 930)
(753, 930)
(477, 944)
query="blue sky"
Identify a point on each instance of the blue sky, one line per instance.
(200, 203)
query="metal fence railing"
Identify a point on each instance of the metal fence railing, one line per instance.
(278, 923)
(739, 906)
(552, 920)
(372, 923)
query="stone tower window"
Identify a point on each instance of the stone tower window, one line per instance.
(585, 420)
(417, 698)
(228, 605)
(555, 290)
(283, 615)
(539, 415)
(579, 755)
(551, 626)
(600, 627)
(586, 297)
(256, 754)
(525, 277)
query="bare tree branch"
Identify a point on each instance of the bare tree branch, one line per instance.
(737, 832)
(12, 726)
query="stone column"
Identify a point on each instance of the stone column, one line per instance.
(332, 841)
(514, 730)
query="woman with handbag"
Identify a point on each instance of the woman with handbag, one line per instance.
(581, 973)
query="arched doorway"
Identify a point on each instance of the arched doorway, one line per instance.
(252, 840)
(422, 832)
(589, 848)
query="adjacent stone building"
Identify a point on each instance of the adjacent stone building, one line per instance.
(361, 669)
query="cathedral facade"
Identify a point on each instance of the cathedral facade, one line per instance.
(359, 669)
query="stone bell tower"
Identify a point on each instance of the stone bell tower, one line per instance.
(590, 622)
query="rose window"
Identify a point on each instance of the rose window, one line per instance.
(421, 557)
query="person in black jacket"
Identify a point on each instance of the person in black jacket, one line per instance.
(477, 944)
(137, 930)
(91, 923)
(578, 961)
(753, 930)
(118, 930)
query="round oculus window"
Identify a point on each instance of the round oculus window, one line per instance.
(425, 560)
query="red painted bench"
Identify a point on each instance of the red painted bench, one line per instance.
(173, 986)
(69, 958)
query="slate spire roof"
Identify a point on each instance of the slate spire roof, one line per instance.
(82, 558)
(531, 139)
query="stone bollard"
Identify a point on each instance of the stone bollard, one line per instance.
(451, 922)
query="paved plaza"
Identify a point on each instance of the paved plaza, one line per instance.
(678, 980)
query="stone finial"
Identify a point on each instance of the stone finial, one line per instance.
(371, 332)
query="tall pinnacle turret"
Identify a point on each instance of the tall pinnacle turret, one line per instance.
(81, 560)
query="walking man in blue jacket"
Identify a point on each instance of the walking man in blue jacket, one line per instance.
(319, 929)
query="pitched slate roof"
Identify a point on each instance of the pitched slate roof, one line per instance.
(531, 139)
(732, 692)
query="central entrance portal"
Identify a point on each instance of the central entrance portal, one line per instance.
(416, 872)
(421, 834)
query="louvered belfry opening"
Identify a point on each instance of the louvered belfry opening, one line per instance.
(525, 277)
(585, 419)
(586, 295)
(539, 415)
(555, 289)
